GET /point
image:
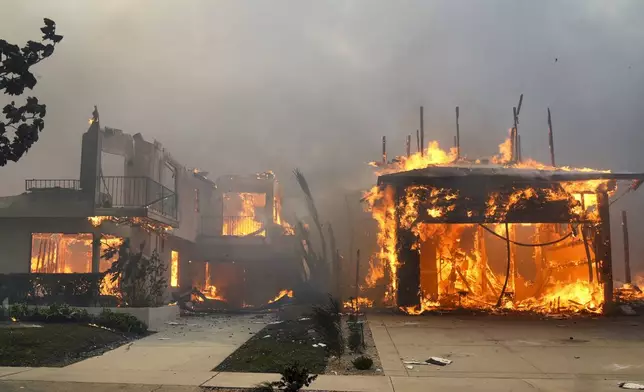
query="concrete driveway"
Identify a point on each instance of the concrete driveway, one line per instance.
(499, 353)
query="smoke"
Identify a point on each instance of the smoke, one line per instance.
(238, 87)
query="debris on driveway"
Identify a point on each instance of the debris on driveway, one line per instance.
(631, 385)
(439, 361)
(431, 361)
(627, 310)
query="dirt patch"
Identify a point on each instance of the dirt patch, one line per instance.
(55, 345)
(344, 365)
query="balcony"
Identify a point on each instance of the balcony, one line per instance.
(132, 193)
(38, 185)
(231, 226)
(115, 196)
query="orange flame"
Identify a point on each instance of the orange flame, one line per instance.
(282, 294)
(356, 304)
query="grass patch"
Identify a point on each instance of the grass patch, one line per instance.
(288, 342)
(53, 344)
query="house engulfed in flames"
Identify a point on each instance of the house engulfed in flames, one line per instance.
(494, 234)
(225, 238)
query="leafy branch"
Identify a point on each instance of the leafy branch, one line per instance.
(26, 121)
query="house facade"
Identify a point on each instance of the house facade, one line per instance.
(224, 232)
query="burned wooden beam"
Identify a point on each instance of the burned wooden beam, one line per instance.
(422, 132)
(408, 146)
(627, 254)
(604, 255)
(458, 136)
(408, 273)
(384, 150)
(551, 141)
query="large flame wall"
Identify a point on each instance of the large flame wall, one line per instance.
(447, 248)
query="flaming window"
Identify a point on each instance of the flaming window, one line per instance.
(58, 253)
(243, 214)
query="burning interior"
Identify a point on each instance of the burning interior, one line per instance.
(58, 253)
(519, 236)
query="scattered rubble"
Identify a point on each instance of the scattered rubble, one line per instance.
(631, 385)
(439, 361)
(627, 310)
(431, 361)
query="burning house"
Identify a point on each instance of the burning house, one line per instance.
(507, 234)
(223, 237)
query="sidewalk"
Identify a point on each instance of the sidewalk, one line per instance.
(64, 380)
(12, 376)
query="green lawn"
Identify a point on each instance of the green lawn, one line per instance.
(53, 344)
(288, 342)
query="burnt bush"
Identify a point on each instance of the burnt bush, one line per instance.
(363, 363)
(327, 323)
(355, 341)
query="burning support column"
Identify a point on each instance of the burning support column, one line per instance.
(408, 256)
(604, 249)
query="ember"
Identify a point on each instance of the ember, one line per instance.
(356, 304)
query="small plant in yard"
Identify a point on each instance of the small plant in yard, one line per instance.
(363, 363)
(121, 322)
(53, 313)
(327, 323)
(294, 378)
(352, 318)
(355, 340)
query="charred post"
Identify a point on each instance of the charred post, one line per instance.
(458, 137)
(408, 257)
(604, 249)
(422, 132)
(513, 136)
(384, 150)
(357, 292)
(417, 140)
(408, 146)
(627, 254)
(551, 141)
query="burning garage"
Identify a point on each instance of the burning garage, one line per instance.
(502, 234)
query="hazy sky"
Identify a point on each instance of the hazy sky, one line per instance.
(244, 86)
